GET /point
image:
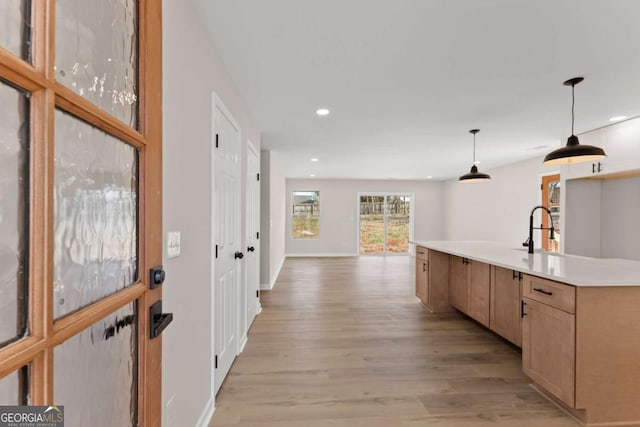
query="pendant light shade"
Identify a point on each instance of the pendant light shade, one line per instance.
(474, 176)
(573, 152)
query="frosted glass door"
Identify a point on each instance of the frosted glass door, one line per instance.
(81, 208)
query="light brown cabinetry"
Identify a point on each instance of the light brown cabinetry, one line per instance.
(432, 279)
(459, 283)
(506, 294)
(479, 291)
(549, 349)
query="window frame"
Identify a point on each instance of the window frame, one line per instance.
(292, 214)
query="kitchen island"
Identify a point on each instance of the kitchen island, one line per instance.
(577, 319)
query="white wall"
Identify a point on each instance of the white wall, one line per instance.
(621, 218)
(192, 70)
(496, 210)
(339, 211)
(272, 221)
(603, 218)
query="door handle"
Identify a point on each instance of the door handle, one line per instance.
(159, 320)
(251, 249)
(238, 255)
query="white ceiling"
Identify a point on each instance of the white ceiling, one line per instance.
(406, 79)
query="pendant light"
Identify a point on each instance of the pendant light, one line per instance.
(474, 175)
(573, 152)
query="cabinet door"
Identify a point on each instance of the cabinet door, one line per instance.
(422, 284)
(458, 283)
(548, 349)
(479, 291)
(506, 293)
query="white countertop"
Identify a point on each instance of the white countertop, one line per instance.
(574, 270)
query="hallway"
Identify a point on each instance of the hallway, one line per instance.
(344, 342)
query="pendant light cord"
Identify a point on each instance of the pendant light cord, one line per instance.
(474, 148)
(573, 103)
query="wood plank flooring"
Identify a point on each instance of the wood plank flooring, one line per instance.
(344, 342)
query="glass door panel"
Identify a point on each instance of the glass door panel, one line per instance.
(96, 215)
(96, 374)
(97, 53)
(15, 27)
(14, 388)
(398, 224)
(14, 213)
(372, 224)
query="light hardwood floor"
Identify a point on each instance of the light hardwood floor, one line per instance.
(344, 342)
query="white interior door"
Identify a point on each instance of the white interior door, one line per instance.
(253, 228)
(226, 240)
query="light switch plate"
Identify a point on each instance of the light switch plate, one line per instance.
(173, 244)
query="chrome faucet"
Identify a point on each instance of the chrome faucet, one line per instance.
(529, 241)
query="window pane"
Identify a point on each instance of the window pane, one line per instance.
(96, 372)
(14, 388)
(14, 226)
(371, 224)
(96, 214)
(97, 53)
(398, 224)
(306, 215)
(15, 27)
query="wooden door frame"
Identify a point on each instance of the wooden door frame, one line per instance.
(546, 179)
(252, 148)
(47, 94)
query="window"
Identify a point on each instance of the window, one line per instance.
(305, 218)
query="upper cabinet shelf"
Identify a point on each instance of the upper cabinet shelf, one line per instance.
(621, 142)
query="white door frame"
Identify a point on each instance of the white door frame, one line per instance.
(252, 148)
(411, 219)
(217, 103)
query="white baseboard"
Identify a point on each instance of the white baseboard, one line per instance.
(207, 415)
(259, 309)
(270, 285)
(321, 254)
(243, 343)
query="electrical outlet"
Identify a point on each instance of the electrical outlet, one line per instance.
(173, 244)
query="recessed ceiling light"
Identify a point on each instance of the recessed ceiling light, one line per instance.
(617, 118)
(312, 175)
(322, 111)
(429, 177)
(314, 159)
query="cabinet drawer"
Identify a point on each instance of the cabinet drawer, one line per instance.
(422, 253)
(548, 292)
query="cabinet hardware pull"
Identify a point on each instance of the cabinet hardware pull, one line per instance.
(593, 168)
(515, 274)
(522, 304)
(542, 291)
(424, 267)
(599, 167)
